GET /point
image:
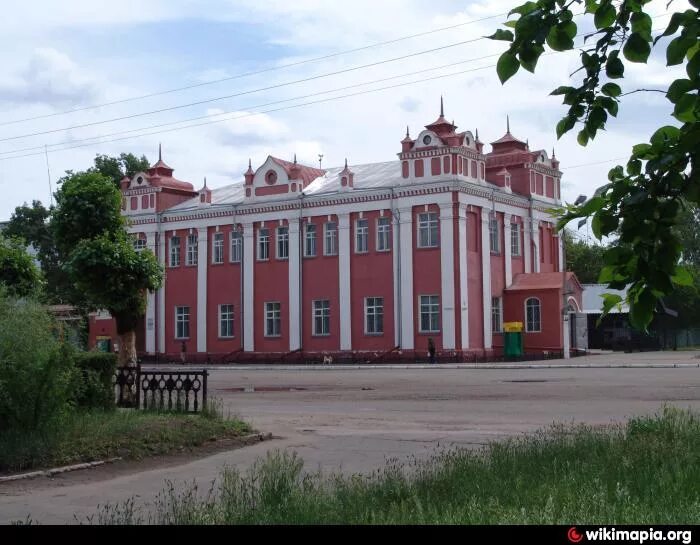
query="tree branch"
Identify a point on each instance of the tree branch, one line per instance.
(645, 91)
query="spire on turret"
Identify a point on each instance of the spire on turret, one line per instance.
(442, 107)
(160, 151)
(507, 124)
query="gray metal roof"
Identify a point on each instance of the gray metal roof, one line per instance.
(593, 301)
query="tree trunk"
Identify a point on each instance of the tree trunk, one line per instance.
(127, 349)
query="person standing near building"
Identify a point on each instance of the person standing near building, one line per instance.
(183, 352)
(431, 349)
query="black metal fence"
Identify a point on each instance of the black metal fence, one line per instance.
(161, 389)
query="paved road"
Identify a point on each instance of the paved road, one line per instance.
(352, 420)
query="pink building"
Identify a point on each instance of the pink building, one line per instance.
(364, 261)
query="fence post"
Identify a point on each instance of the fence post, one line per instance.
(204, 388)
(138, 386)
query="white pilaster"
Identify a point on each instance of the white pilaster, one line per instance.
(294, 263)
(344, 281)
(463, 278)
(151, 304)
(507, 250)
(536, 244)
(486, 277)
(248, 295)
(560, 245)
(202, 256)
(447, 274)
(395, 251)
(161, 293)
(407, 298)
(527, 244)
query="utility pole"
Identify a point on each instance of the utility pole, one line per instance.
(48, 173)
(320, 160)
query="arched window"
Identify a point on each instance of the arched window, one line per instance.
(533, 322)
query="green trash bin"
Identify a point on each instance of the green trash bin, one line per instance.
(513, 339)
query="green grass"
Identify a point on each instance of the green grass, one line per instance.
(95, 435)
(644, 472)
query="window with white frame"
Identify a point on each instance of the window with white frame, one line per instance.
(496, 315)
(383, 234)
(361, 236)
(427, 230)
(310, 240)
(225, 321)
(217, 250)
(139, 244)
(374, 315)
(533, 315)
(263, 244)
(515, 239)
(236, 247)
(273, 319)
(182, 322)
(192, 250)
(429, 313)
(494, 239)
(322, 318)
(330, 237)
(283, 243)
(174, 251)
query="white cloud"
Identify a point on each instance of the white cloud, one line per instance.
(50, 77)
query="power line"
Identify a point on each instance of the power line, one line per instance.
(251, 114)
(256, 72)
(242, 93)
(248, 92)
(208, 116)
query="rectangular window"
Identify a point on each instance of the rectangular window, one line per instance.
(225, 321)
(217, 253)
(175, 252)
(331, 238)
(283, 243)
(310, 240)
(427, 230)
(374, 315)
(273, 320)
(383, 234)
(493, 236)
(139, 244)
(192, 250)
(263, 244)
(236, 247)
(322, 318)
(515, 239)
(496, 315)
(429, 314)
(361, 236)
(182, 322)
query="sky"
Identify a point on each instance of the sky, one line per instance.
(59, 57)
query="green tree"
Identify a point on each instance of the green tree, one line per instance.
(31, 224)
(18, 273)
(99, 256)
(115, 168)
(643, 200)
(586, 260)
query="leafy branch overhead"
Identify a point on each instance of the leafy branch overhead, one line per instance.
(642, 201)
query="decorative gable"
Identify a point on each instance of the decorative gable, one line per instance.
(277, 179)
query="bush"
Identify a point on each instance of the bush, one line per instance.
(37, 372)
(97, 388)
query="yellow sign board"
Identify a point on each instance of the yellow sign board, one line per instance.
(513, 327)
